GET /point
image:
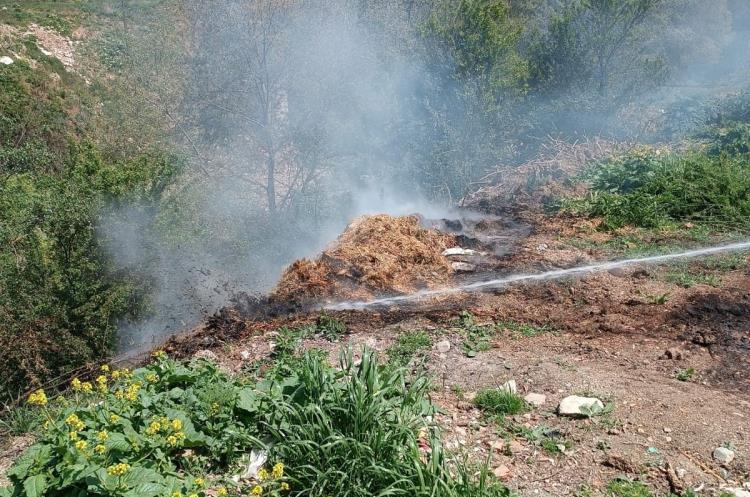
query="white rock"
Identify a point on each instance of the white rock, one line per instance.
(245, 355)
(574, 405)
(443, 346)
(536, 399)
(463, 267)
(737, 492)
(510, 386)
(723, 455)
(6, 60)
(453, 251)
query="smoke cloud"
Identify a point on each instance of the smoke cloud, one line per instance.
(350, 110)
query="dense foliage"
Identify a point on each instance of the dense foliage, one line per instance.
(652, 188)
(171, 429)
(59, 293)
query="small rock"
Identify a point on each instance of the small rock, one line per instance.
(443, 346)
(6, 60)
(536, 399)
(463, 267)
(667, 430)
(722, 455)
(681, 473)
(509, 386)
(575, 406)
(502, 472)
(542, 247)
(206, 354)
(245, 355)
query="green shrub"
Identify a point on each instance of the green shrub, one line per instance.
(499, 402)
(359, 430)
(648, 190)
(58, 293)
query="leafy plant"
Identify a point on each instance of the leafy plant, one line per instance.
(685, 374)
(477, 338)
(330, 327)
(407, 345)
(174, 428)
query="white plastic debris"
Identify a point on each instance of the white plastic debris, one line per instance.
(454, 251)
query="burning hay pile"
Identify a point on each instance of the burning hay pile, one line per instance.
(375, 255)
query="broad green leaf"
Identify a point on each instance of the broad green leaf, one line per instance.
(146, 490)
(117, 442)
(35, 485)
(35, 453)
(248, 400)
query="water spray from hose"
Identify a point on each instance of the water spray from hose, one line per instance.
(548, 275)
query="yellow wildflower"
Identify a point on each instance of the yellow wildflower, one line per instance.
(199, 482)
(119, 394)
(193, 495)
(102, 435)
(114, 418)
(100, 449)
(87, 387)
(153, 428)
(73, 436)
(177, 494)
(179, 435)
(278, 470)
(38, 398)
(152, 377)
(104, 368)
(116, 374)
(46, 425)
(222, 492)
(176, 424)
(75, 384)
(284, 486)
(171, 440)
(72, 420)
(257, 490)
(159, 354)
(118, 469)
(101, 379)
(81, 444)
(262, 474)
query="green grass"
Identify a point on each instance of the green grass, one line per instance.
(525, 330)
(499, 402)
(407, 345)
(686, 276)
(622, 487)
